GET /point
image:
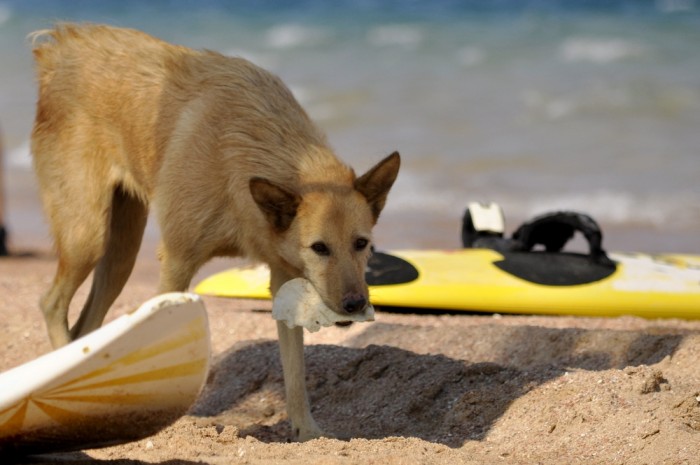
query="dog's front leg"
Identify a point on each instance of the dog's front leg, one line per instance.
(298, 408)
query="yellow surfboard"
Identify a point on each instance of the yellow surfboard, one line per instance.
(483, 280)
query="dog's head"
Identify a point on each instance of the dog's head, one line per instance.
(325, 231)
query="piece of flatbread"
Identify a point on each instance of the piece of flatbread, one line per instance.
(297, 303)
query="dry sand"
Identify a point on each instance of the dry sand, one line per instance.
(409, 389)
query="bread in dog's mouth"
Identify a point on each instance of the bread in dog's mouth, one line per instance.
(298, 303)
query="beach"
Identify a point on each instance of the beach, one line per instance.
(409, 388)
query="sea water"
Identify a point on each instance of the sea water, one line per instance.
(538, 105)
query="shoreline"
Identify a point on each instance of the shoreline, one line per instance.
(27, 228)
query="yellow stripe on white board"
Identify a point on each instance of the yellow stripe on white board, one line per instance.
(194, 331)
(48, 401)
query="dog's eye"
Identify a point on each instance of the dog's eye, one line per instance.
(321, 249)
(361, 244)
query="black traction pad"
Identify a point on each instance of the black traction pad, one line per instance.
(554, 269)
(546, 268)
(384, 269)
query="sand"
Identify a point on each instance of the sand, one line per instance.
(409, 389)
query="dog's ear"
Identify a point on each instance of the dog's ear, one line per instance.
(278, 204)
(376, 182)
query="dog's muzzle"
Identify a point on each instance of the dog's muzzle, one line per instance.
(354, 303)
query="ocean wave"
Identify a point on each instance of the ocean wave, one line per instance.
(470, 56)
(405, 35)
(547, 106)
(677, 211)
(599, 51)
(675, 6)
(630, 97)
(19, 157)
(610, 206)
(674, 211)
(286, 36)
(5, 13)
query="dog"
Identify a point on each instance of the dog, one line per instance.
(230, 160)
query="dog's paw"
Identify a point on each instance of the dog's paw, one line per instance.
(303, 434)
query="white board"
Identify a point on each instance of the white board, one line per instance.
(125, 381)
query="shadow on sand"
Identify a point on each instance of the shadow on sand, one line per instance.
(379, 389)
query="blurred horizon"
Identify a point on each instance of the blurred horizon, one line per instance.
(538, 105)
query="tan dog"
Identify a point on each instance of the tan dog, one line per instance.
(233, 164)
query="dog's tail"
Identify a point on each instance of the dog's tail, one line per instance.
(37, 36)
(45, 47)
(58, 50)
(46, 43)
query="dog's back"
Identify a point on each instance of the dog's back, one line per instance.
(131, 94)
(92, 86)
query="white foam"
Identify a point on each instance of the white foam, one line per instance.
(551, 108)
(405, 35)
(5, 13)
(19, 157)
(412, 193)
(599, 51)
(675, 6)
(612, 206)
(286, 36)
(677, 211)
(470, 56)
(674, 211)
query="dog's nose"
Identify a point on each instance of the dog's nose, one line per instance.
(354, 303)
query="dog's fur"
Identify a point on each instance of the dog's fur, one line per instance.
(231, 161)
